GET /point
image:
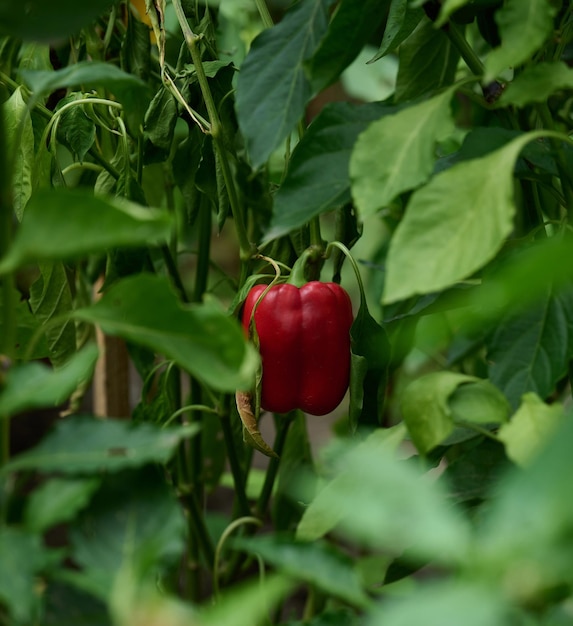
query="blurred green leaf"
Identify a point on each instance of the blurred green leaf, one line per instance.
(437, 244)
(438, 603)
(134, 521)
(23, 558)
(47, 21)
(66, 606)
(79, 224)
(201, 338)
(428, 62)
(524, 27)
(248, 603)
(530, 428)
(27, 326)
(80, 445)
(34, 385)
(320, 517)
(272, 87)
(387, 504)
(396, 153)
(352, 25)
(536, 83)
(57, 500)
(530, 348)
(317, 179)
(314, 563)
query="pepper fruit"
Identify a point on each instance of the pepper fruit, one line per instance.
(304, 342)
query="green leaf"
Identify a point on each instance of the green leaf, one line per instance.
(449, 602)
(396, 153)
(51, 302)
(134, 521)
(159, 126)
(80, 224)
(425, 408)
(135, 53)
(450, 230)
(48, 21)
(524, 27)
(66, 606)
(314, 563)
(20, 147)
(27, 326)
(34, 385)
(201, 338)
(127, 89)
(89, 445)
(536, 83)
(370, 360)
(317, 179)
(321, 516)
(387, 504)
(248, 603)
(428, 62)
(23, 558)
(56, 501)
(533, 424)
(449, 7)
(401, 23)
(530, 349)
(75, 129)
(351, 26)
(272, 88)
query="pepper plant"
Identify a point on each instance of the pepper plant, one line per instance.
(167, 168)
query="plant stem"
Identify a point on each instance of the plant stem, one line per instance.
(236, 470)
(284, 423)
(263, 10)
(247, 250)
(467, 53)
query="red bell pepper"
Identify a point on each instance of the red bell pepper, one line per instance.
(304, 342)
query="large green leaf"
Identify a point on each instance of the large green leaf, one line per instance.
(317, 179)
(350, 28)
(78, 224)
(134, 521)
(201, 338)
(88, 445)
(530, 350)
(47, 21)
(536, 83)
(272, 88)
(387, 504)
(524, 27)
(453, 225)
(530, 428)
(428, 62)
(27, 326)
(34, 385)
(311, 562)
(396, 153)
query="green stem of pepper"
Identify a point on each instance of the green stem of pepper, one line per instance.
(347, 253)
